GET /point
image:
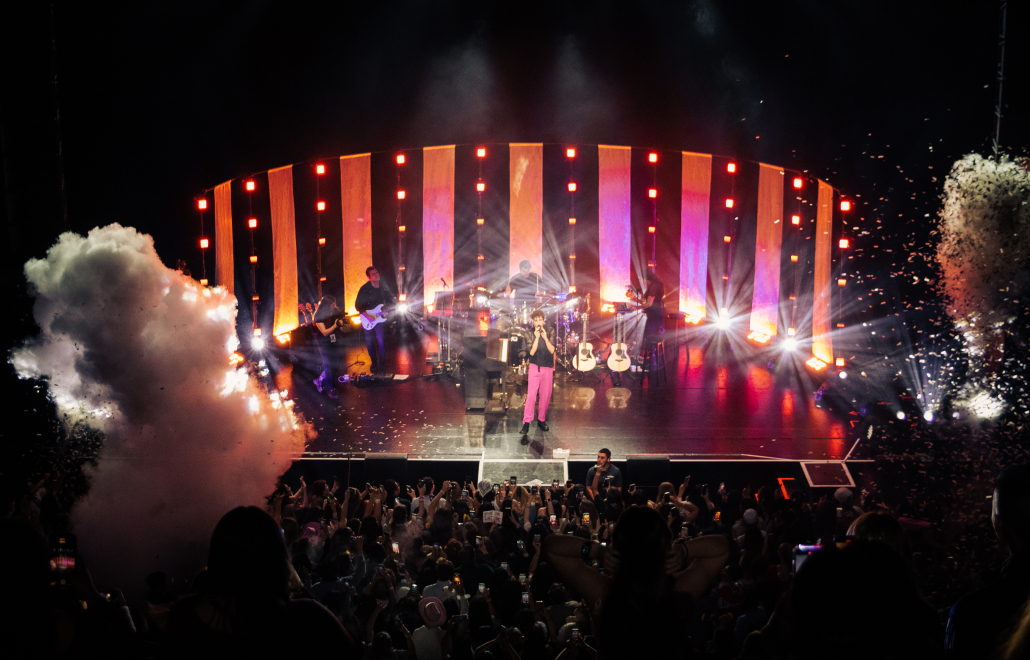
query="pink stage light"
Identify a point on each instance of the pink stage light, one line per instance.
(652, 192)
(845, 205)
(400, 159)
(321, 206)
(320, 169)
(252, 223)
(798, 182)
(652, 157)
(204, 243)
(572, 186)
(481, 152)
(480, 187)
(570, 153)
(202, 204)
(731, 168)
(729, 202)
(249, 185)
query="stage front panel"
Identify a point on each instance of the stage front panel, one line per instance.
(768, 239)
(284, 249)
(695, 208)
(223, 237)
(614, 230)
(437, 220)
(822, 340)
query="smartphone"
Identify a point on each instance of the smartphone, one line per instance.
(482, 588)
(504, 565)
(522, 578)
(525, 598)
(604, 544)
(535, 490)
(62, 557)
(554, 484)
(536, 538)
(586, 518)
(436, 546)
(396, 547)
(464, 495)
(457, 579)
(667, 498)
(575, 634)
(461, 617)
(497, 487)
(839, 511)
(479, 540)
(520, 544)
(554, 519)
(514, 480)
(718, 516)
(323, 522)
(632, 486)
(801, 554)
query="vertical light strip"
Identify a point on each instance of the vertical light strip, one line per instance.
(437, 221)
(356, 208)
(695, 200)
(768, 239)
(223, 237)
(614, 233)
(526, 227)
(822, 340)
(284, 249)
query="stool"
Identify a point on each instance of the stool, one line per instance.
(655, 360)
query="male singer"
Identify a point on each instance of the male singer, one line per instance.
(541, 373)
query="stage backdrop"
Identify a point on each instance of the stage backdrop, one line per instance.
(761, 194)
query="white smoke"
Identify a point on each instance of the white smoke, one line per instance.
(141, 352)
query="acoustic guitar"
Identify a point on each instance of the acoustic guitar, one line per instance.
(618, 359)
(584, 359)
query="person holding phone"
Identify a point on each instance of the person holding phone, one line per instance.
(603, 474)
(541, 373)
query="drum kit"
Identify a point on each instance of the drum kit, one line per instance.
(514, 321)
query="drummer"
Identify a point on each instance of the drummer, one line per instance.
(524, 285)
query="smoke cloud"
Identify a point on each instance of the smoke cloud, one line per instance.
(141, 352)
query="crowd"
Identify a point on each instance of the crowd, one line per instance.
(595, 569)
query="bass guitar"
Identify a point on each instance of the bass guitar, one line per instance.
(618, 359)
(584, 359)
(377, 314)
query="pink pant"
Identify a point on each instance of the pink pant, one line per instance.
(541, 379)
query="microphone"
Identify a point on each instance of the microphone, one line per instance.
(444, 282)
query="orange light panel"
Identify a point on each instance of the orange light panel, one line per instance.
(203, 282)
(401, 159)
(844, 243)
(321, 206)
(401, 194)
(725, 277)
(651, 229)
(759, 337)
(253, 258)
(480, 187)
(793, 298)
(572, 186)
(572, 221)
(322, 279)
(570, 153)
(790, 332)
(794, 258)
(816, 363)
(840, 325)
(572, 288)
(480, 257)
(403, 297)
(481, 152)
(726, 239)
(842, 282)
(729, 202)
(257, 332)
(252, 223)
(480, 221)
(202, 204)
(249, 185)
(845, 205)
(402, 228)
(839, 362)
(320, 169)
(321, 241)
(795, 219)
(652, 157)
(402, 268)
(204, 243)
(650, 264)
(652, 193)
(798, 182)
(255, 297)
(572, 256)
(731, 168)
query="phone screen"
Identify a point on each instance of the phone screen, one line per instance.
(525, 598)
(586, 517)
(554, 519)
(396, 547)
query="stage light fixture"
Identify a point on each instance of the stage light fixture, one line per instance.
(401, 194)
(928, 415)
(901, 415)
(651, 229)
(253, 258)
(791, 332)
(723, 322)
(608, 307)
(729, 202)
(322, 279)
(283, 338)
(481, 300)
(320, 169)
(481, 152)
(652, 193)
(839, 362)
(572, 221)
(402, 307)
(249, 185)
(693, 319)
(792, 297)
(572, 288)
(402, 228)
(794, 258)
(842, 282)
(758, 336)
(258, 344)
(790, 344)
(403, 297)
(257, 332)
(255, 298)
(726, 239)
(570, 153)
(572, 256)
(401, 159)
(843, 375)
(840, 325)
(402, 268)
(798, 182)
(480, 221)
(731, 168)
(815, 363)
(203, 282)
(320, 206)
(652, 157)
(650, 264)
(321, 241)
(845, 205)
(795, 219)
(844, 243)
(202, 204)
(204, 243)
(572, 186)
(480, 187)
(480, 258)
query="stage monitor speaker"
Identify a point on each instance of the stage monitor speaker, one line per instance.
(380, 467)
(648, 470)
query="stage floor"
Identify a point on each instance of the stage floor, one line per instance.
(720, 405)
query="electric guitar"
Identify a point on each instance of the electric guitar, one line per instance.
(378, 315)
(584, 359)
(618, 359)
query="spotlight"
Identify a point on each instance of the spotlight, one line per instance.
(758, 336)
(652, 157)
(252, 223)
(320, 206)
(731, 168)
(845, 205)
(320, 169)
(400, 159)
(401, 194)
(201, 204)
(843, 375)
(651, 229)
(928, 415)
(321, 241)
(480, 221)
(790, 344)
(572, 288)
(283, 338)
(402, 307)
(257, 343)
(402, 228)
(795, 219)
(729, 202)
(481, 300)
(572, 186)
(481, 152)
(815, 363)
(572, 221)
(249, 185)
(798, 182)
(844, 243)
(480, 187)
(403, 297)
(652, 193)
(901, 415)
(570, 153)
(723, 322)
(204, 243)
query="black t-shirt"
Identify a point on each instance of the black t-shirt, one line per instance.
(542, 357)
(370, 297)
(656, 289)
(525, 288)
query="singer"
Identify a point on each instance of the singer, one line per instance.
(541, 373)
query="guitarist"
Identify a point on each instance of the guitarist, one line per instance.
(541, 373)
(371, 295)
(328, 320)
